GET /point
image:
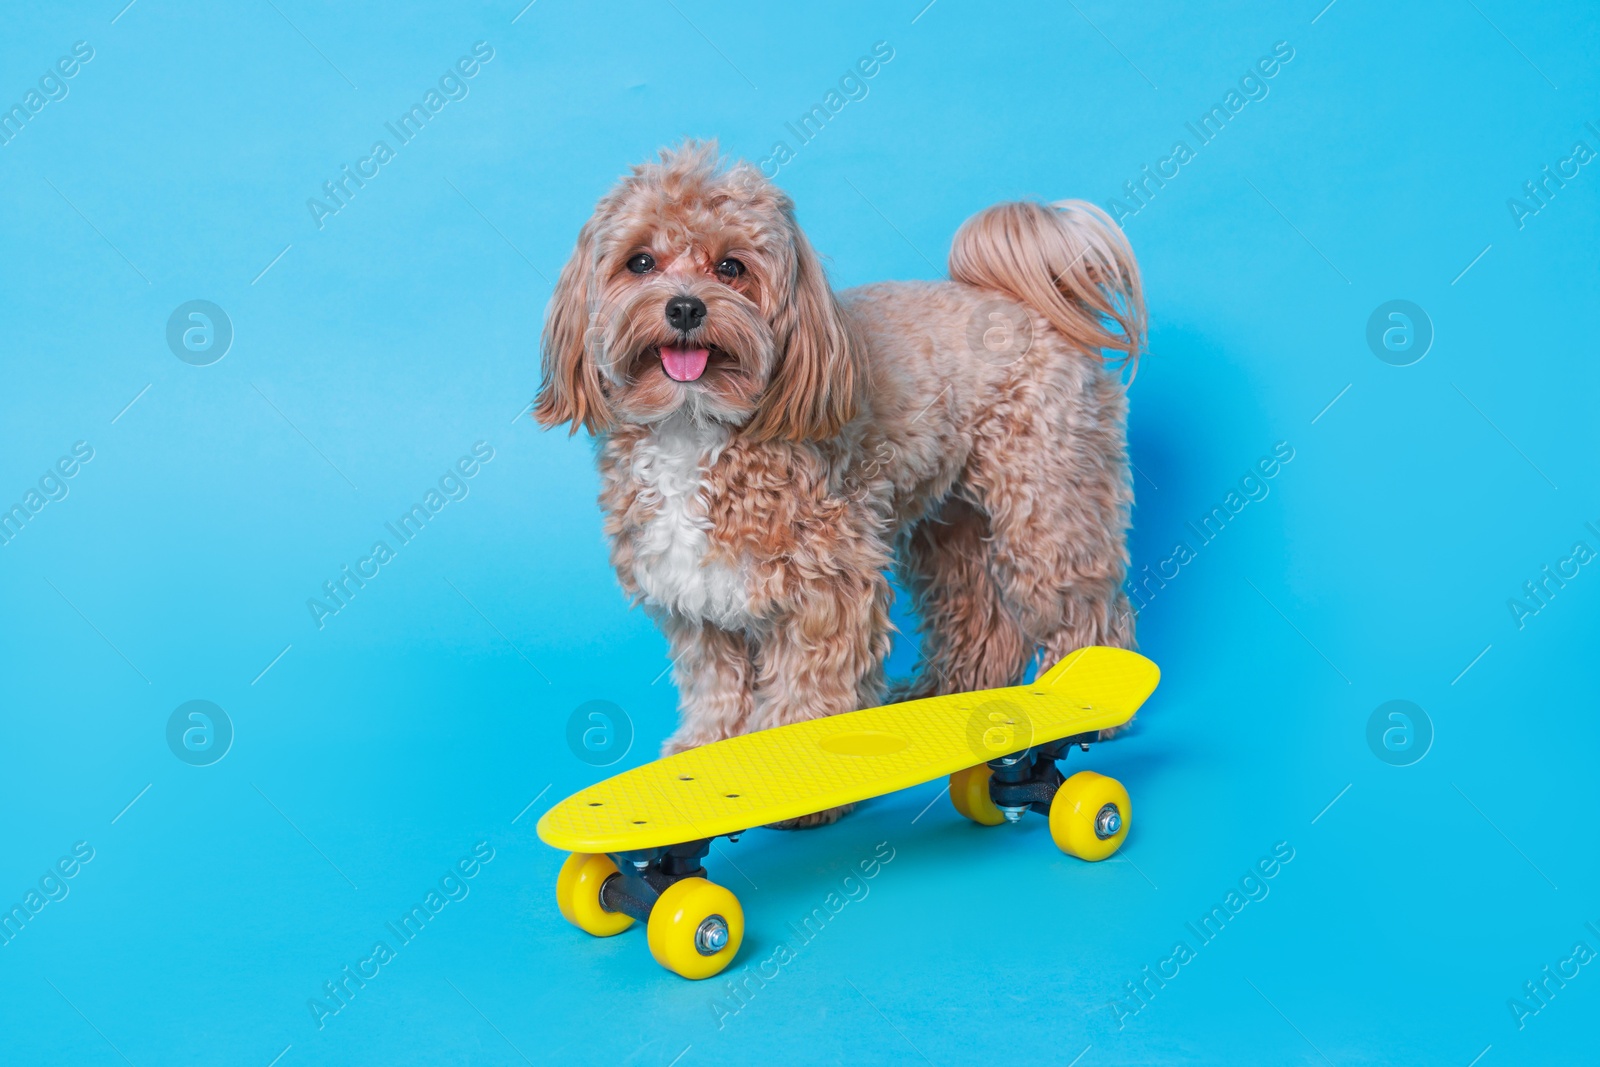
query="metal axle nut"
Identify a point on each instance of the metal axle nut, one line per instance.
(1107, 821)
(711, 937)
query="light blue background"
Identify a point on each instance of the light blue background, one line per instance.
(430, 712)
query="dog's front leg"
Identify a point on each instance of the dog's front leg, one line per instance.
(713, 672)
(824, 657)
(825, 654)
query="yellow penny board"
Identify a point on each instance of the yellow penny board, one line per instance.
(794, 770)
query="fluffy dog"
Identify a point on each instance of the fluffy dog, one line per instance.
(768, 449)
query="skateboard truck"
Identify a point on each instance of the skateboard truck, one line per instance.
(644, 874)
(1088, 812)
(1029, 780)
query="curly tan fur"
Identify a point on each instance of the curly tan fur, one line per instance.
(755, 509)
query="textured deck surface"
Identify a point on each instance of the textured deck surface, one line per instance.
(795, 770)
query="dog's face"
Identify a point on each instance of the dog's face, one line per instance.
(693, 291)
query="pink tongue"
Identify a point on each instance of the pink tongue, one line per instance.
(684, 364)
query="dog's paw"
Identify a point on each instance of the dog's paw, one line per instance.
(674, 745)
(902, 689)
(1112, 732)
(808, 822)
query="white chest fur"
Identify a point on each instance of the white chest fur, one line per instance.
(669, 561)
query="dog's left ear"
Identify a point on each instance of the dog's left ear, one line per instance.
(813, 391)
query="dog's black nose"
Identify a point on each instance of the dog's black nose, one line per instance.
(685, 312)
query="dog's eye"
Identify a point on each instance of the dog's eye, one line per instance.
(729, 269)
(643, 263)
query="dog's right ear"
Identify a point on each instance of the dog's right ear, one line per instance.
(570, 390)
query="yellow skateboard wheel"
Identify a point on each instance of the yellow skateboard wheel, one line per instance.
(1089, 816)
(969, 793)
(695, 928)
(578, 895)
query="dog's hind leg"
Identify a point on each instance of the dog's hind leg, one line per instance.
(1094, 613)
(969, 639)
(1055, 486)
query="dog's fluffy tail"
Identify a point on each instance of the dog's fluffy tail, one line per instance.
(1068, 261)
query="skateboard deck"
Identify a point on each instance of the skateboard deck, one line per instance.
(790, 771)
